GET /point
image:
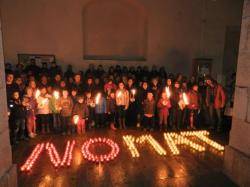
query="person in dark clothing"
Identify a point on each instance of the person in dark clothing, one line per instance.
(149, 112)
(177, 111)
(80, 114)
(111, 110)
(11, 86)
(16, 118)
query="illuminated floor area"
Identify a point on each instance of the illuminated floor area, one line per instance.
(189, 168)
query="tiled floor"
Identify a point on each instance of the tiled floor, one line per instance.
(190, 168)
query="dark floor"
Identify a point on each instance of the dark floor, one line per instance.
(188, 169)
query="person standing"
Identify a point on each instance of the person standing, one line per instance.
(215, 100)
(122, 103)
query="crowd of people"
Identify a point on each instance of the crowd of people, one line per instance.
(44, 100)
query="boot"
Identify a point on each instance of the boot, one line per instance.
(123, 124)
(120, 123)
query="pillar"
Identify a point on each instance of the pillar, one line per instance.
(237, 153)
(7, 169)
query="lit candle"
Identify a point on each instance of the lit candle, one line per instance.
(119, 94)
(168, 92)
(76, 119)
(97, 99)
(37, 93)
(185, 98)
(56, 94)
(133, 91)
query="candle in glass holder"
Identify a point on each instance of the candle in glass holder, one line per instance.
(56, 94)
(168, 92)
(185, 98)
(37, 93)
(133, 91)
(97, 98)
(75, 119)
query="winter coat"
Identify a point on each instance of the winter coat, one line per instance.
(163, 108)
(81, 110)
(215, 96)
(67, 106)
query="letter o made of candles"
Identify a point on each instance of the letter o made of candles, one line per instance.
(87, 154)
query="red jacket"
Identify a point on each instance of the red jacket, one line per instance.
(194, 100)
(163, 108)
(219, 97)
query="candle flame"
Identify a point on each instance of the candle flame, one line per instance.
(168, 92)
(97, 99)
(56, 94)
(76, 119)
(185, 98)
(37, 93)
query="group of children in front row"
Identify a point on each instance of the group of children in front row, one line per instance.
(67, 112)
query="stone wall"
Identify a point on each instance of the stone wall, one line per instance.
(145, 32)
(237, 155)
(7, 169)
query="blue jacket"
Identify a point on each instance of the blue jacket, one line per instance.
(101, 108)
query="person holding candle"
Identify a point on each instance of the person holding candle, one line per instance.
(193, 106)
(91, 108)
(100, 110)
(163, 106)
(80, 114)
(17, 118)
(111, 109)
(30, 104)
(66, 105)
(177, 105)
(55, 108)
(132, 112)
(43, 110)
(149, 112)
(122, 103)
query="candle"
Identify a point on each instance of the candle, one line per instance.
(168, 92)
(119, 94)
(37, 93)
(133, 91)
(56, 94)
(76, 119)
(97, 98)
(185, 98)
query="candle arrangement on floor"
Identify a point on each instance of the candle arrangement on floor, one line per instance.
(87, 154)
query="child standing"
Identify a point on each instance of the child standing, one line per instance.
(17, 118)
(91, 107)
(100, 110)
(66, 105)
(80, 114)
(111, 108)
(194, 106)
(43, 110)
(149, 112)
(122, 103)
(54, 104)
(163, 106)
(30, 104)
